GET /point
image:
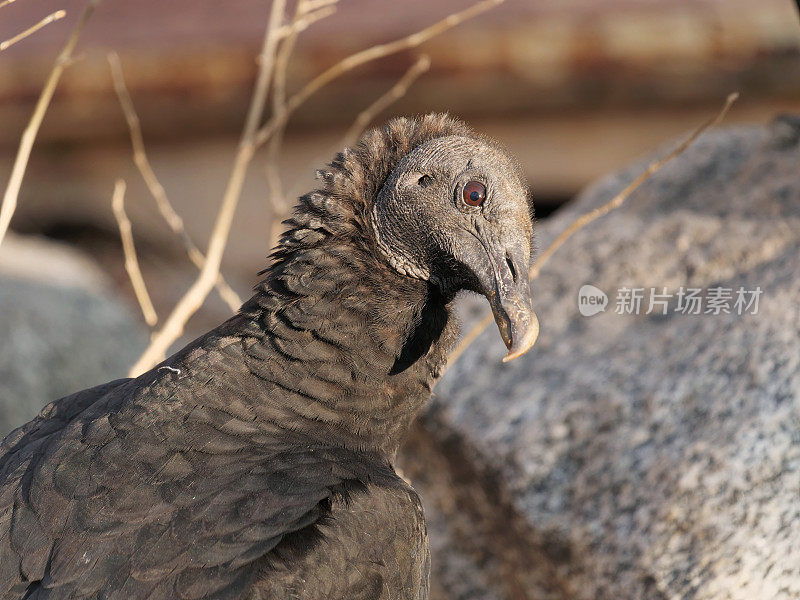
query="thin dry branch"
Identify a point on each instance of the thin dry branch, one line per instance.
(275, 192)
(590, 216)
(129, 250)
(173, 219)
(359, 58)
(312, 5)
(29, 135)
(274, 185)
(197, 293)
(309, 17)
(397, 91)
(59, 14)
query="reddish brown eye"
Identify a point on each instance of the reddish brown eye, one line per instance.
(474, 193)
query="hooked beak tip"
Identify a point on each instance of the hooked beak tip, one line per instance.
(522, 345)
(518, 324)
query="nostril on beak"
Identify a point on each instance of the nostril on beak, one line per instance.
(511, 268)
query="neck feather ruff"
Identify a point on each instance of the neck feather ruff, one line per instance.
(339, 337)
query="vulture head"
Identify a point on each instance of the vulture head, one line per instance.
(454, 212)
(433, 202)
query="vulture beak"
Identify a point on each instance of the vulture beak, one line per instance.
(510, 299)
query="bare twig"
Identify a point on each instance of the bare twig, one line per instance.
(309, 17)
(5, 2)
(59, 14)
(397, 91)
(590, 216)
(197, 293)
(173, 219)
(300, 21)
(275, 192)
(275, 188)
(620, 198)
(129, 250)
(29, 135)
(359, 58)
(312, 5)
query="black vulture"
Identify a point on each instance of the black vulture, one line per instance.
(257, 462)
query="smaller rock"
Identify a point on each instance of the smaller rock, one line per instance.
(61, 327)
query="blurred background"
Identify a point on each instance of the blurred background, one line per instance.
(576, 89)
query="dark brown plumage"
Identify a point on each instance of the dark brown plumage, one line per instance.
(256, 462)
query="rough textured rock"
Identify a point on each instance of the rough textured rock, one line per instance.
(647, 456)
(61, 329)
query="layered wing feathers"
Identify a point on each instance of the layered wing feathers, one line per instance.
(143, 491)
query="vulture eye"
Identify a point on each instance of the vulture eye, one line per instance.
(474, 193)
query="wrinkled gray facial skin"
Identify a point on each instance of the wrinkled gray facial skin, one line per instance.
(427, 230)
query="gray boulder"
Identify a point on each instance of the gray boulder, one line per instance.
(61, 329)
(639, 455)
